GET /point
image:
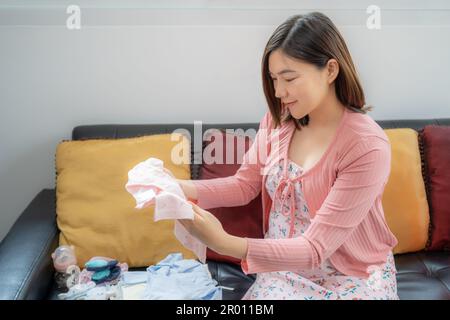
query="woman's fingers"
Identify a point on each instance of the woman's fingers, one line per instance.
(197, 215)
(190, 222)
(196, 208)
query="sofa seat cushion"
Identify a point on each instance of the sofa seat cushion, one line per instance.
(423, 275)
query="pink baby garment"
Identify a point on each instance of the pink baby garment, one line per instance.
(150, 185)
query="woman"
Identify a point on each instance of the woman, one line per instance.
(322, 177)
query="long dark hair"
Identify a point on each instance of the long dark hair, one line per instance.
(313, 38)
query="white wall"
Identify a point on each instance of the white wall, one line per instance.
(168, 62)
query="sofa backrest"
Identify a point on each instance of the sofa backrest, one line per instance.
(114, 131)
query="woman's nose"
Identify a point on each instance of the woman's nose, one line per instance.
(280, 91)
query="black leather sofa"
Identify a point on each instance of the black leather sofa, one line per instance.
(26, 270)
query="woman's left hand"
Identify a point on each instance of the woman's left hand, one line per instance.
(206, 228)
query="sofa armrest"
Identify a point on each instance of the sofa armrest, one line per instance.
(26, 267)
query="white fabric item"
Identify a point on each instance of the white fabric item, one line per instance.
(151, 185)
(133, 291)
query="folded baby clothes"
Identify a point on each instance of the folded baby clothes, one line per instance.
(150, 185)
(175, 278)
(102, 270)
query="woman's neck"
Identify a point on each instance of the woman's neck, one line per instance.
(327, 115)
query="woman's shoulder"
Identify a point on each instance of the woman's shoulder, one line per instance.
(360, 126)
(361, 136)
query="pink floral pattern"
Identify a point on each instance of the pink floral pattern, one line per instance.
(325, 282)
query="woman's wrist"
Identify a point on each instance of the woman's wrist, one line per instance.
(189, 189)
(234, 247)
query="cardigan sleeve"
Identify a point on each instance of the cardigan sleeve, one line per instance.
(362, 176)
(245, 184)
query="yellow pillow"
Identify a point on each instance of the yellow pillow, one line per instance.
(96, 214)
(404, 200)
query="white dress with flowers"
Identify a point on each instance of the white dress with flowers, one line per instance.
(324, 282)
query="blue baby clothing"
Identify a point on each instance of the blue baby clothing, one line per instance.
(133, 277)
(175, 278)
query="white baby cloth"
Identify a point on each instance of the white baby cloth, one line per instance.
(150, 184)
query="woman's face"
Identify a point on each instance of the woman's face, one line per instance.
(298, 82)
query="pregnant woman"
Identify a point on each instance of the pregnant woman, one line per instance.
(321, 164)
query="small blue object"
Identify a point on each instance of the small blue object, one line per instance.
(100, 275)
(106, 275)
(100, 265)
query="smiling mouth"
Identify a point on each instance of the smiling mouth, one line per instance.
(290, 103)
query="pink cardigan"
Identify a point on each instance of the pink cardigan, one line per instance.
(343, 191)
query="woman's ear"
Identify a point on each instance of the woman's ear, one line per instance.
(332, 70)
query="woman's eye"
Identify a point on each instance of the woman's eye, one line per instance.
(287, 80)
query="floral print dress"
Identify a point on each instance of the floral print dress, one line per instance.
(324, 282)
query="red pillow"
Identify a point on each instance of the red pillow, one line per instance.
(435, 142)
(243, 221)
